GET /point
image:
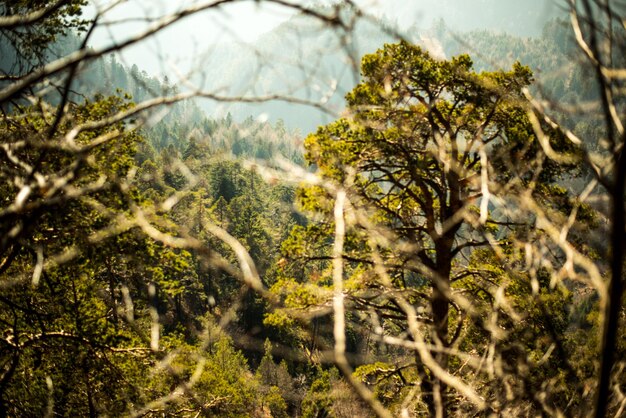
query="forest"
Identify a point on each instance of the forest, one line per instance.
(343, 218)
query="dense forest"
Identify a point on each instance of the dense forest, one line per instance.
(440, 235)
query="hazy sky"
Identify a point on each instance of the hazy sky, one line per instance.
(180, 46)
(519, 17)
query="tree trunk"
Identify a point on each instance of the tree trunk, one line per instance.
(440, 306)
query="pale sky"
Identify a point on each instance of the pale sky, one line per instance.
(182, 46)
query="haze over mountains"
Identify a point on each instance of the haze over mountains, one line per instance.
(301, 59)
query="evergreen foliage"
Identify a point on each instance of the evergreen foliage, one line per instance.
(119, 298)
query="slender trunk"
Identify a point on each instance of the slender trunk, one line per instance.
(92, 408)
(426, 385)
(112, 293)
(440, 306)
(614, 302)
